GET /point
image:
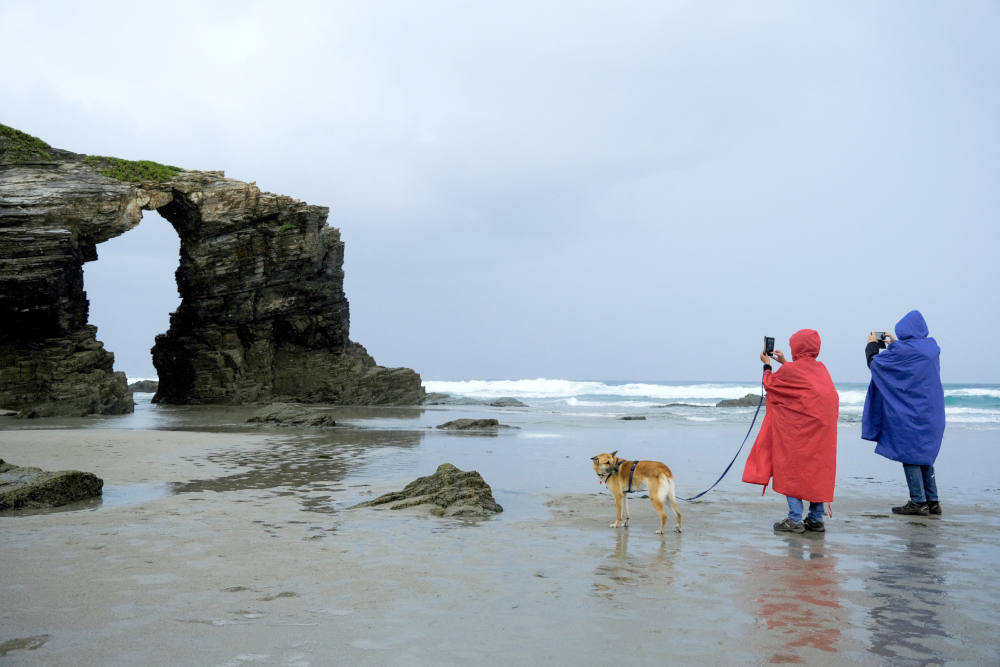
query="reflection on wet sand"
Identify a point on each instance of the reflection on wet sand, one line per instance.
(798, 598)
(908, 590)
(307, 466)
(228, 418)
(622, 568)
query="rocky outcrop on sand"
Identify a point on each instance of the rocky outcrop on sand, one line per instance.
(506, 402)
(448, 399)
(448, 492)
(748, 401)
(31, 488)
(263, 314)
(683, 405)
(473, 425)
(285, 414)
(632, 418)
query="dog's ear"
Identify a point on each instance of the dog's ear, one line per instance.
(594, 458)
(613, 454)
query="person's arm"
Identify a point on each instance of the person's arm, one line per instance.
(870, 351)
(767, 362)
(872, 348)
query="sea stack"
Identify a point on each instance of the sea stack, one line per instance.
(263, 314)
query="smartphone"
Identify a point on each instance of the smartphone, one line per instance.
(768, 345)
(879, 335)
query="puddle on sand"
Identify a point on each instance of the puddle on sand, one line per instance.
(120, 495)
(310, 467)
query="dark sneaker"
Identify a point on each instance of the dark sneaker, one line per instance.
(814, 526)
(933, 507)
(789, 526)
(918, 509)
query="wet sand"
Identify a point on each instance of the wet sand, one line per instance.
(237, 548)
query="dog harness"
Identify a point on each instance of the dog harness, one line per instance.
(630, 474)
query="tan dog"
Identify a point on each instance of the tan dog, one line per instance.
(655, 476)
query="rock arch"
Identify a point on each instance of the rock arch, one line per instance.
(263, 314)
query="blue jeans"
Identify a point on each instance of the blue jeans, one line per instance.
(920, 479)
(795, 510)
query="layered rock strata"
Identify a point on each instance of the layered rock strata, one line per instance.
(263, 315)
(287, 414)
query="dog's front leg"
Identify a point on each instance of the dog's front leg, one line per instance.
(618, 508)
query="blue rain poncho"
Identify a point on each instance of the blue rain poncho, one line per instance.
(904, 408)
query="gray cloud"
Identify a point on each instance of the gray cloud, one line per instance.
(584, 190)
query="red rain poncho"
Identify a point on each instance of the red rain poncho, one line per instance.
(797, 443)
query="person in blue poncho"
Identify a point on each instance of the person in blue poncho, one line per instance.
(904, 408)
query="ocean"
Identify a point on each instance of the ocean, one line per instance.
(966, 405)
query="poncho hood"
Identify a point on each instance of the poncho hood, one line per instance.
(912, 325)
(904, 408)
(804, 344)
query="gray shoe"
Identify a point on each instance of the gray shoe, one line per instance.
(916, 509)
(789, 526)
(814, 526)
(933, 507)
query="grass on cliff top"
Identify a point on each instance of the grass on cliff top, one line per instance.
(17, 147)
(132, 171)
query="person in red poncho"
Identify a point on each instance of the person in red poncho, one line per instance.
(797, 443)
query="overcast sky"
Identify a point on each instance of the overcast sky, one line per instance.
(581, 190)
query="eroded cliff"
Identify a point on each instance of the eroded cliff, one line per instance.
(263, 314)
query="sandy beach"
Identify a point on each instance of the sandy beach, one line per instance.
(233, 548)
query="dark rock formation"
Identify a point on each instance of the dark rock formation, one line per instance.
(748, 401)
(473, 425)
(22, 488)
(682, 405)
(144, 386)
(263, 314)
(284, 414)
(448, 492)
(630, 418)
(448, 399)
(506, 402)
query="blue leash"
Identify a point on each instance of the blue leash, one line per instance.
(738, 450)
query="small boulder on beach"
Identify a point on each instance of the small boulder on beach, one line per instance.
(34, 488)
(448, 492)
(506, 402)
(473, 425)
(288, 414)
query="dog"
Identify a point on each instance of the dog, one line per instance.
(622, 476)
